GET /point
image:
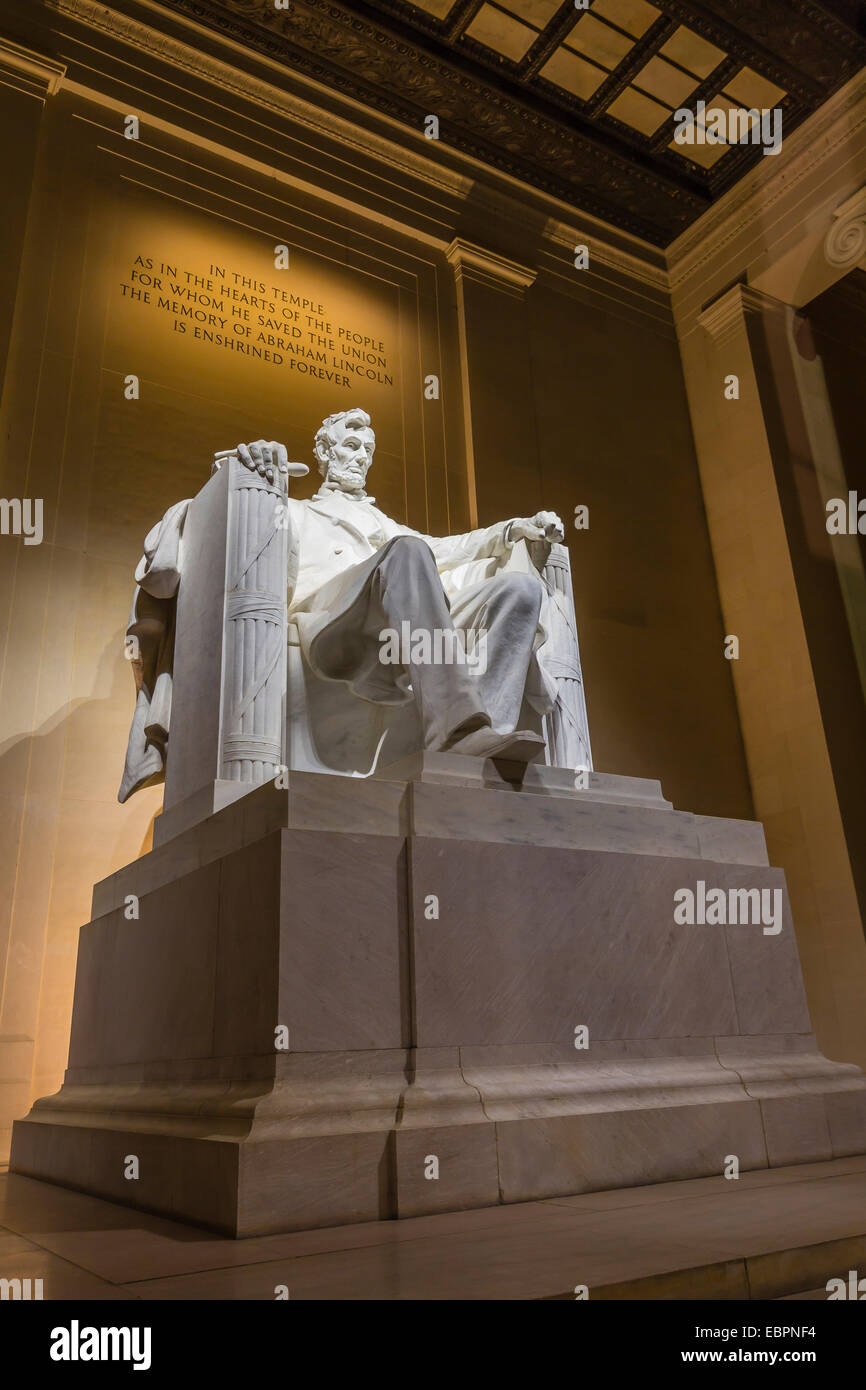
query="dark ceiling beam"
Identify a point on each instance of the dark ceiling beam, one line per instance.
(546, 45)
(458, 21)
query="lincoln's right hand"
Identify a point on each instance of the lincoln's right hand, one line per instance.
(266, 457)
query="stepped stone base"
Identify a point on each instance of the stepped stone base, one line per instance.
(434, 940)
(775, 1233)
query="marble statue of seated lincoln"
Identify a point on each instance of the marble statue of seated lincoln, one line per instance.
(355, 574)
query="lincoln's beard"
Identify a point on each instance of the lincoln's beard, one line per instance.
(347, 476)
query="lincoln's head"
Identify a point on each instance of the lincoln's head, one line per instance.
(344, 447)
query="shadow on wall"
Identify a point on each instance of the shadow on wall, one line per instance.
(69, 739)
(62, 831)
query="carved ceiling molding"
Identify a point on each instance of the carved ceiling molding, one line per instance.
(636, 267)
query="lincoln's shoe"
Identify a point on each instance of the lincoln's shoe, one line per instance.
(522, 746)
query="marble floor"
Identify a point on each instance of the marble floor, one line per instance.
(770, 1234)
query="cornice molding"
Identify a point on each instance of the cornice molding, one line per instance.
(29, 71)
(812, 144)
(645, 268)
(845, 242)
(471, 262)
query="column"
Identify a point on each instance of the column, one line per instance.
(748, 442)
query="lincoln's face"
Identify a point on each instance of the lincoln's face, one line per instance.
(350, 457)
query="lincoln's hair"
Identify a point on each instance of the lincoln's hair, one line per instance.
(326, 439)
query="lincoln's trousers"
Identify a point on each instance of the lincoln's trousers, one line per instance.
(400, 584)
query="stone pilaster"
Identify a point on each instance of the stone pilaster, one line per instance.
(495, 369)
(748, 335)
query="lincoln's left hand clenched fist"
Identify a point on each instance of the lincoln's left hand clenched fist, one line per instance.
(544, 526)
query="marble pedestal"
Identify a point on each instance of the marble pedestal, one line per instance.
(431, 939)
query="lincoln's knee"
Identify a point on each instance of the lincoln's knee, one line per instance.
(522, 592)
(408, 552)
